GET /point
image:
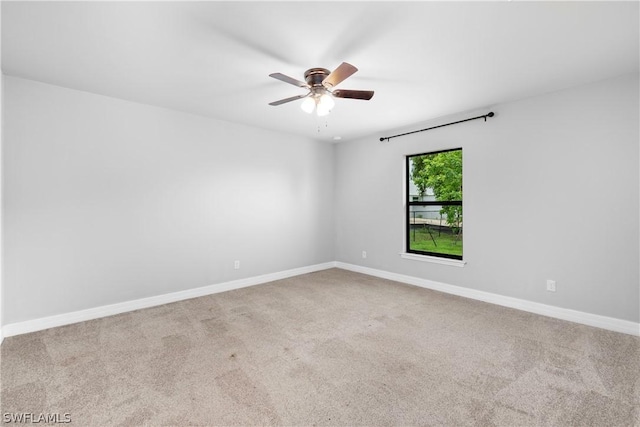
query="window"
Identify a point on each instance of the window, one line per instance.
(434, 204)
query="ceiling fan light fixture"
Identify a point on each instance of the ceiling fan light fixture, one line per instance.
(308, 105)
(326, 102)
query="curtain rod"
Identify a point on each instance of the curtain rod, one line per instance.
(490, 114)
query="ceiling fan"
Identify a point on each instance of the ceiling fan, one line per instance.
(320, 83)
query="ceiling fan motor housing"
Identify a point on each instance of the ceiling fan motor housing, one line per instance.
(315, 76)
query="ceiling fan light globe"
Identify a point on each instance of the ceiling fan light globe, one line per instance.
(308, 105)
(326, 102)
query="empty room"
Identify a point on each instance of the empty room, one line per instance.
(320, 213)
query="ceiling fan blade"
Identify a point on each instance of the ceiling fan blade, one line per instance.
(343, 71)
(353, 94)
(288, 79)
(293, 98)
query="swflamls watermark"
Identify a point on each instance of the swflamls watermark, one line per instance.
(31, 418)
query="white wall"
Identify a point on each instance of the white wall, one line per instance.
(1, 188)
(108, 201)
(1, 203)
(550, 192)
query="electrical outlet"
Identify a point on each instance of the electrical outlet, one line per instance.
(364, 254)
(551, 285)
(236, 265)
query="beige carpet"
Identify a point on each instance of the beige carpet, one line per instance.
(328, 348)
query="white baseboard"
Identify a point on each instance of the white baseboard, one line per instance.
(603, 322)
(589, 319)
(25, 327)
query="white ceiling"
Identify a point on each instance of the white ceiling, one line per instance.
(423, 59)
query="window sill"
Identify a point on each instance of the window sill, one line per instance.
(433, 259)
